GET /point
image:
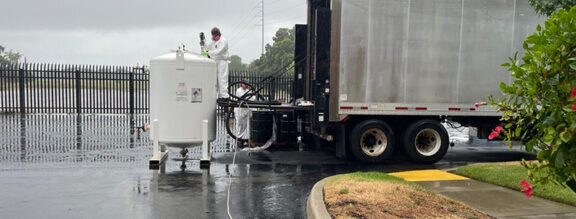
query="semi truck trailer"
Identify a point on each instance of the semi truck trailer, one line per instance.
(383, 75)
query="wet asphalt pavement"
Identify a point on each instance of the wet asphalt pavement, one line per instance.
(94, 166)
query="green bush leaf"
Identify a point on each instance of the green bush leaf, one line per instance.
(543, 155)
(503, 87)
(549, 121)
(565, 136)
(530, 145)
(559, 161)
(548, 139)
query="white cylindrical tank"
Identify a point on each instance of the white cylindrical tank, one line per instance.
(182, 94)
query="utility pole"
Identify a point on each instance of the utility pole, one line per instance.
(262, 27)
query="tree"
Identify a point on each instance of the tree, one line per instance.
(277, 55)
(539, 107)
(236, 64)
(547, 7)
(9, 57)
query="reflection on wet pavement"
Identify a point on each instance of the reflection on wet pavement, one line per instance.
(78, 166)
(70, 140)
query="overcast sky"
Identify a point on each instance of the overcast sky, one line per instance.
(126, 32)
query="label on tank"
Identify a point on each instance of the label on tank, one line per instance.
(181, 92)
(196, 95)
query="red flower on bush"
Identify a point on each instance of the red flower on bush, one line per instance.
(495, 133)
(527, 188)
(498, 129)
(574, 92)
(574, 108)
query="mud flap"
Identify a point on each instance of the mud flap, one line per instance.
(340, 141)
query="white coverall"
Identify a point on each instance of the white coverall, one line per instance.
(242, 117)
(218, 51)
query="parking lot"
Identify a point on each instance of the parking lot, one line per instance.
(94, 166)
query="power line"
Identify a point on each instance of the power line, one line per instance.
(244, 28)
(284, 9)
(273, 1)
(239, 27)
(281, 3)
(288, 19)
(242, 32)
(248, 27)
(239, 39)
(244, 19)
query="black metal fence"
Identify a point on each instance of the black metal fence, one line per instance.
(277, 88)
(55, 88)
(49, 88)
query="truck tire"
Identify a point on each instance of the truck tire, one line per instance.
(426, 141)
(371, 141)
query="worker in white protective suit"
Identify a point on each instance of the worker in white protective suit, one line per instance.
(218, 51)
(242, 115)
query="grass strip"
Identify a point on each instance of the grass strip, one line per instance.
(510, 175)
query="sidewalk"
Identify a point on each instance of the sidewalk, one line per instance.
(491, 199)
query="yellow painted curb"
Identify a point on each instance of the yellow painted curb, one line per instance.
(427, 175)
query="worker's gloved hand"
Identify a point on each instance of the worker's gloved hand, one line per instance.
(204, 53)
(202, 38)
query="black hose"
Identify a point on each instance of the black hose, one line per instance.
(252, 91)
(256, 92)
(247, 96)
(230, 114)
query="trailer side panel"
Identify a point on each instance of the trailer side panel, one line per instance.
(422, 53)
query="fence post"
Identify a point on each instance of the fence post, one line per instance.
(131, 92)
(21, 88)
(78, 93)
(273, 89)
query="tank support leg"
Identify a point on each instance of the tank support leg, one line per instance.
(158, 157)
(184, 152)
(206, 154)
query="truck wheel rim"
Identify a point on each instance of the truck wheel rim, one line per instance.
(373, 142)
(428, 142)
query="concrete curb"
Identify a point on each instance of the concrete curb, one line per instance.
(315, 206)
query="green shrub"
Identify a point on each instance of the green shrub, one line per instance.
(539, 107)
(547, 7)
